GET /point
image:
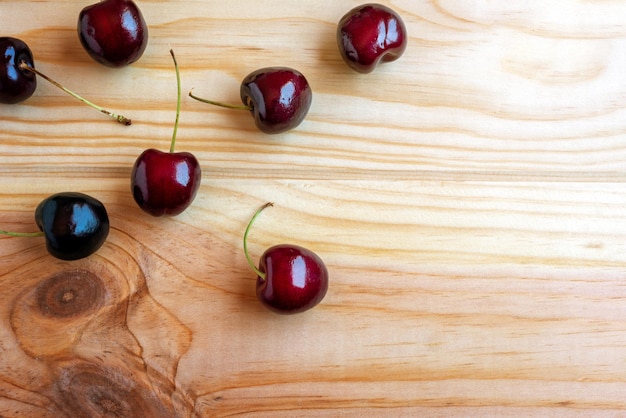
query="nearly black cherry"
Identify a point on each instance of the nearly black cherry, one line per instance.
(18, 79)
(74, 225)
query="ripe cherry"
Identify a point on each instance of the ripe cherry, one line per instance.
(113, 32)
(290, 278)
(18, 77)
(74, 225)
(16, 84)
(165, 183)
(278, 98)
(369, 34)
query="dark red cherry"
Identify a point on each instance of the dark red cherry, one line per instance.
(16, 84)
(74, 225)
(295, 279)
(290, 278)
(370, 34)
(113, 32)
(278, 98)
(165, 183)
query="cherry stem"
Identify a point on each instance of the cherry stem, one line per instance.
(245, 241)
(22, 234)
(119, 118)
(220, 104)
(173, 143)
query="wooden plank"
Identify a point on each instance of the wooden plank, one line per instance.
(503, 88)
(442, 294)
(467, 200)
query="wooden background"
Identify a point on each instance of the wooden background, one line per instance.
(469, 201)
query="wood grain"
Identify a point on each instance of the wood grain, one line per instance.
(468, 201)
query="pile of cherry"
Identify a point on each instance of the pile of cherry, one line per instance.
(290, 278)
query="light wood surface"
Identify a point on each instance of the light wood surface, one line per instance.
(469, 201)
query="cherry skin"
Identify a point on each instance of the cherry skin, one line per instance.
(278, 98)
(290, 279)
(296, 279)
(16, 84)
(18, 79)
(113, 32)
(165, 183)
(370, 34)
(75, 225)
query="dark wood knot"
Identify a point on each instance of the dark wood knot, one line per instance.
(70, 293)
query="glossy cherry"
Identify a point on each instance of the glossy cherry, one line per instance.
(290, 278)
(75, 225)
(369, 34)
(278, 98)
(18, 79)
(113, 32)
(16, 84)
(165, 183)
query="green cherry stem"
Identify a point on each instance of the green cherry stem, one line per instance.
(173, 143)
(22, 234)
(245, 241)
(220, 104)
(119, 118)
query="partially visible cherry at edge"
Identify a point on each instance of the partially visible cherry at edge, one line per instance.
(18, 77)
